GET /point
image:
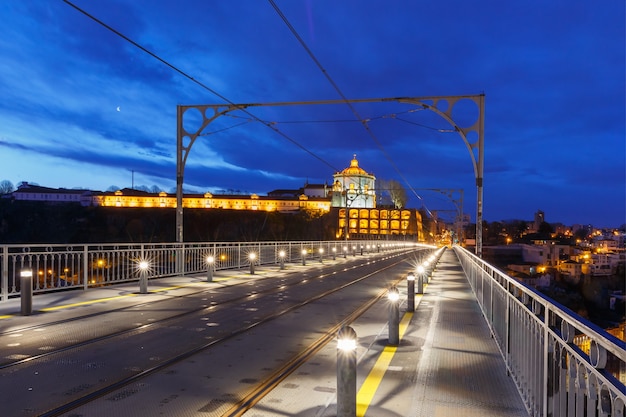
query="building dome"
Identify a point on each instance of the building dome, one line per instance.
(354, 168)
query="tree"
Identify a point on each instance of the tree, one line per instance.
(391, 192)
(6, 187)
(397, 193)
(144, 188)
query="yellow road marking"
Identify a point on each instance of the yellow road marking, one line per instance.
(374, 378)
(101, 300)
(83, 303)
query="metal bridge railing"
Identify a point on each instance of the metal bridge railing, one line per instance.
(562, 364)
(59, 267)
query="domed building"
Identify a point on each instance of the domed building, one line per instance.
(354, 187)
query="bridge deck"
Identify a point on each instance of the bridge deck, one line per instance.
(446, 363)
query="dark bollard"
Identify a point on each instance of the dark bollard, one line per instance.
(334, 254)
(345, 252)
(361, 250)
(210, 264)
(346, 372)
(410, 292)
(394, 316)
(252, 258)
(143, 277)
(426, 266)
(281, 255)
(420, 279)
(26, 292)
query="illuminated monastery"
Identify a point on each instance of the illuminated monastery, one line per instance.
(351, 198)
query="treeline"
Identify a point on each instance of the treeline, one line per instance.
(37, 222)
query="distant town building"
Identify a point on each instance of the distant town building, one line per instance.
(32, 192)
(537, 221)
(135, 198)
(352, 198)
(614, 365)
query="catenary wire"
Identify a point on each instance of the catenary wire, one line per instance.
(363, 121)
(199, 83)
(271, 125)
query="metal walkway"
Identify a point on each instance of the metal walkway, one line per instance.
(461, 372)
(446, 363)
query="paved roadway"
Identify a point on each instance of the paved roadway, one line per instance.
(445, 364)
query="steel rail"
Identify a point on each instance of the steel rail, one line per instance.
(87, 398)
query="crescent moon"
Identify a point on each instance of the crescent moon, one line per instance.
(118, 108)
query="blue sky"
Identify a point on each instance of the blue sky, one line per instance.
(83, 107)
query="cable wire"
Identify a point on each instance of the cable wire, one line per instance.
(363, 121)
(199, 83)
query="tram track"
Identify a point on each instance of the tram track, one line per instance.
(224, 303)
(263, 388)
(221, 304)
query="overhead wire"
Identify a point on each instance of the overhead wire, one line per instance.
(199, 83)
(363, 121)
(270, 125)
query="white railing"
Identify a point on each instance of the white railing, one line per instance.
(562, 364)
(57, 267)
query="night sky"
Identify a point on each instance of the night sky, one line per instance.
(89, 106)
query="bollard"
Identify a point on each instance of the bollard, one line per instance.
(361, 250)
(420, 279)
(143, 277)
(321, 252)
(281, 254)
(210, 262)
(426, 266)
(346, 372)
(26, 291)
(334, 254)
(345, 252)
(410, 292)
(252, 257)
(303, 257)
(394, 316)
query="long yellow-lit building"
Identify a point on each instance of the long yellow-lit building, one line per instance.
(351, 198)
(134, 198)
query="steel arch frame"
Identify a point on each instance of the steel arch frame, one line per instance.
(476, 149)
